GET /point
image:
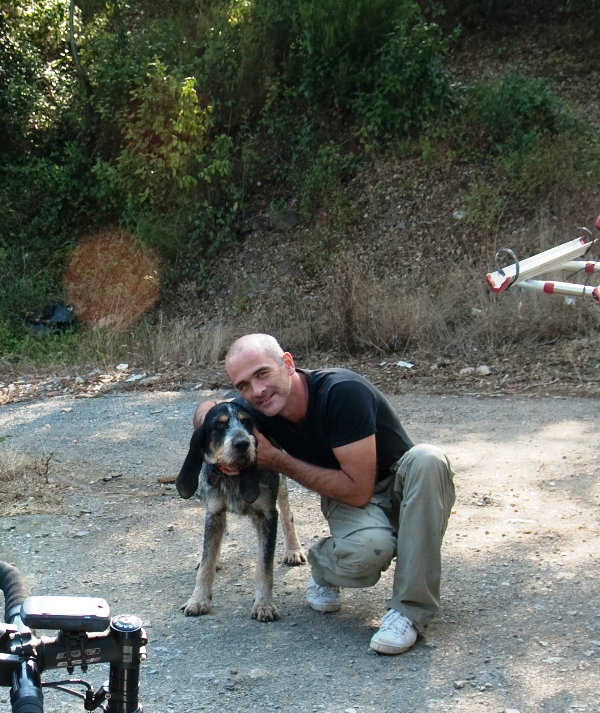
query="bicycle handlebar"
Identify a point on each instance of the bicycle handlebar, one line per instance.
(24, 656)
(15, 591)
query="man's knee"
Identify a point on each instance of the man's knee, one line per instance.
(424, 464)
(366, 553)
(428, 457)
(425, 474)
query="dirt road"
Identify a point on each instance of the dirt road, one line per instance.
(520, 623)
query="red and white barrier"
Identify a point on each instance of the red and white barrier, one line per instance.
(561, 257)
(532, 266)
(561, 288)
(581, 265)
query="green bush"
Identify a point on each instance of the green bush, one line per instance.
(407, 85)
(510, 114)
(557, 167)
(538, 150)
(163, 131)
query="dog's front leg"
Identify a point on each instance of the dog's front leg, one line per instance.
(200, 601)
(294, 554)
(264, 608)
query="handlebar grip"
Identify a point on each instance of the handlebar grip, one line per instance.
(15, 589)
(26, 692)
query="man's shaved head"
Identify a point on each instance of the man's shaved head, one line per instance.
(262, 343)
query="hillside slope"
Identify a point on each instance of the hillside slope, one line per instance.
(406, 279)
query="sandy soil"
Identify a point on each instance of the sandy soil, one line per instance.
(520, 622)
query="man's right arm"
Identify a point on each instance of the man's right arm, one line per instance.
(352, 483)
(203, 408)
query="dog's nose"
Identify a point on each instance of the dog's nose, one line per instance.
(241, 444)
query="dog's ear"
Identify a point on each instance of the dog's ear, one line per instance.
(249, 486)
(187, 480)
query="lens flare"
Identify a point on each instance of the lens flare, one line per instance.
(111, 279)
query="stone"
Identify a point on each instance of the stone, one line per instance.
(148, 381)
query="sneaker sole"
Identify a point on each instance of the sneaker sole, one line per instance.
(327, 608)
(388, 649)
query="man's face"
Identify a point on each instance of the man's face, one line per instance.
(261, 380)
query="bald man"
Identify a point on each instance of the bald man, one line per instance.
(382, 496)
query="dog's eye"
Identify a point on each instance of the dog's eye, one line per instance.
(220, 424)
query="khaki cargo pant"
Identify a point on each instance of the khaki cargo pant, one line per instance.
(405, 518)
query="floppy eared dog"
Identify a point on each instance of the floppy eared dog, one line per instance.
(226, 439)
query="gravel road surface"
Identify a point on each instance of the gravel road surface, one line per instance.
(519, 628)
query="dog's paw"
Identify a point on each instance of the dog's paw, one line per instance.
(264, 612)
(294, 557)
(196, 607)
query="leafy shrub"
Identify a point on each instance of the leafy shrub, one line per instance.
(406, 85)
(164, 129)
(554, 169)
(511, 114)
(185, 110)
(538, 146)
(483, 203)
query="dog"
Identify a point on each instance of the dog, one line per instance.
(226, 439)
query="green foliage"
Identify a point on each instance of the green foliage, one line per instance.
(504, 116)
(539, 150)
(515, 111)
(556, 167)
(483, 204)
(182, 111)
(162, 132)
(35, 85)
(407, 84)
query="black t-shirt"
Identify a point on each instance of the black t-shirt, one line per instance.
(343, 407)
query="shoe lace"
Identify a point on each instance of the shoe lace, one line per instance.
(323, 591)
(395, 621)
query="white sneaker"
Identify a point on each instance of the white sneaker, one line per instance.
(396, 635)
(325, 599)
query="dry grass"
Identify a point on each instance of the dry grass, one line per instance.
(157, 341)
(451, 311)
(450, 315)
(25, 486)
(180, 340)
(443, 312)
(447, 316)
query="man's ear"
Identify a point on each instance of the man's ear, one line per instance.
(249, 487)
(288, 362)
(187, 480)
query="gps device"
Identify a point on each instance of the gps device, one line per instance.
(66, 613)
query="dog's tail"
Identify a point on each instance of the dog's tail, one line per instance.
(187, 480)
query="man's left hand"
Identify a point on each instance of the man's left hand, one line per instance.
(265, 451)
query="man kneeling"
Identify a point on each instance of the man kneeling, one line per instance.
(383, 497)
